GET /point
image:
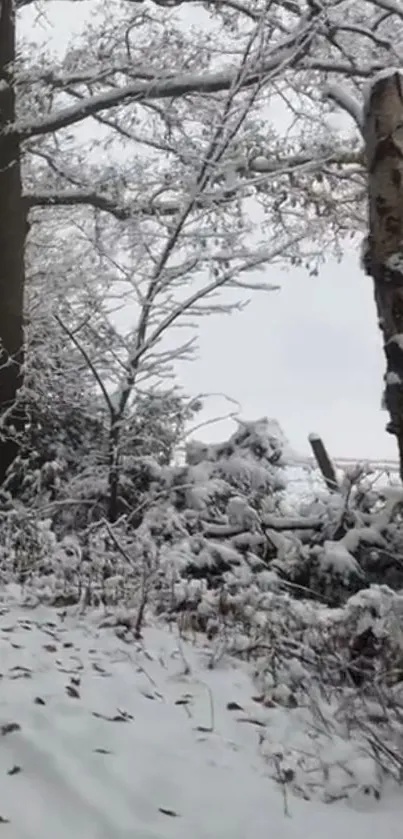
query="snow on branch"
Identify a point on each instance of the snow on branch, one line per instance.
(255, 261)
(383, 75)
(342, 68)
(315, 160)
(262, 164)
(392, 6)
(294, 46)
(234, 5)
(292, 522)
(74, 198)
(346, 101)
(145, 91)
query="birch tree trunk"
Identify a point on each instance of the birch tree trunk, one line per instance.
(383, 255)
(12, 242)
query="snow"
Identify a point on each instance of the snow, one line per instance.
(395, 262)
(342, 97)
(356, 535)
(160, 88)
(260, 163)
(241, 514)
(101, 739)
(397, 338)
(336, 557)
(393, 378)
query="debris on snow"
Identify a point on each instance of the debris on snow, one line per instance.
(171, 763)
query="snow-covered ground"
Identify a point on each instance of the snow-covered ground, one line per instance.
(102, 739)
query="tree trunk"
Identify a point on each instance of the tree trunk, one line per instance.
(383, 254)
(12, 242)
(114, 470)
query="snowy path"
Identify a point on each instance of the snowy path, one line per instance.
(72, 771)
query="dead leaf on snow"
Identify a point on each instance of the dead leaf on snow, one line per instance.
(19, 672)
(15, 770)
(252, 721)
(72, 692)
(9, 727)
(100, 669)
(121, 716)
(233, 706)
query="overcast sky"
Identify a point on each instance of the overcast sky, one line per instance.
(309, 355)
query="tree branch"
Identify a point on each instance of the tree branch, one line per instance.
(140, 92)
(261, 164)
(343, 68)
(392, 6)
(89, 363)
(181, 85)
(293, 48)
(89, 199)
(121, 212)
(344, 99)
(291, 523)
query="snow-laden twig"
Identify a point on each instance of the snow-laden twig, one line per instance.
(345, 100)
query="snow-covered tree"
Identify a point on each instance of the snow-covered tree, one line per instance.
(194, 142)
(171, 239)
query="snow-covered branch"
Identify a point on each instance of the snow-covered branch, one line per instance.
(254, 262)
(261, 164)
(75, 198)
(254, 72)
(346, 101)
(144, 91)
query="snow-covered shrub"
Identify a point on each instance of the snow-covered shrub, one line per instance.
(214, 546)
(207, 520)
(340, 671)
(340, 543)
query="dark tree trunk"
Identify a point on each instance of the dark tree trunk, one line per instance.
(12, 241)
(383, 256)
(113, 477)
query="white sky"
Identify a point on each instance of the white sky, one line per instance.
(309, 355)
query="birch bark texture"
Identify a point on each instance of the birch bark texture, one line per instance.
(383, 252)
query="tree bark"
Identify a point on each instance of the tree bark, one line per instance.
(12, 242)
(383, 252)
